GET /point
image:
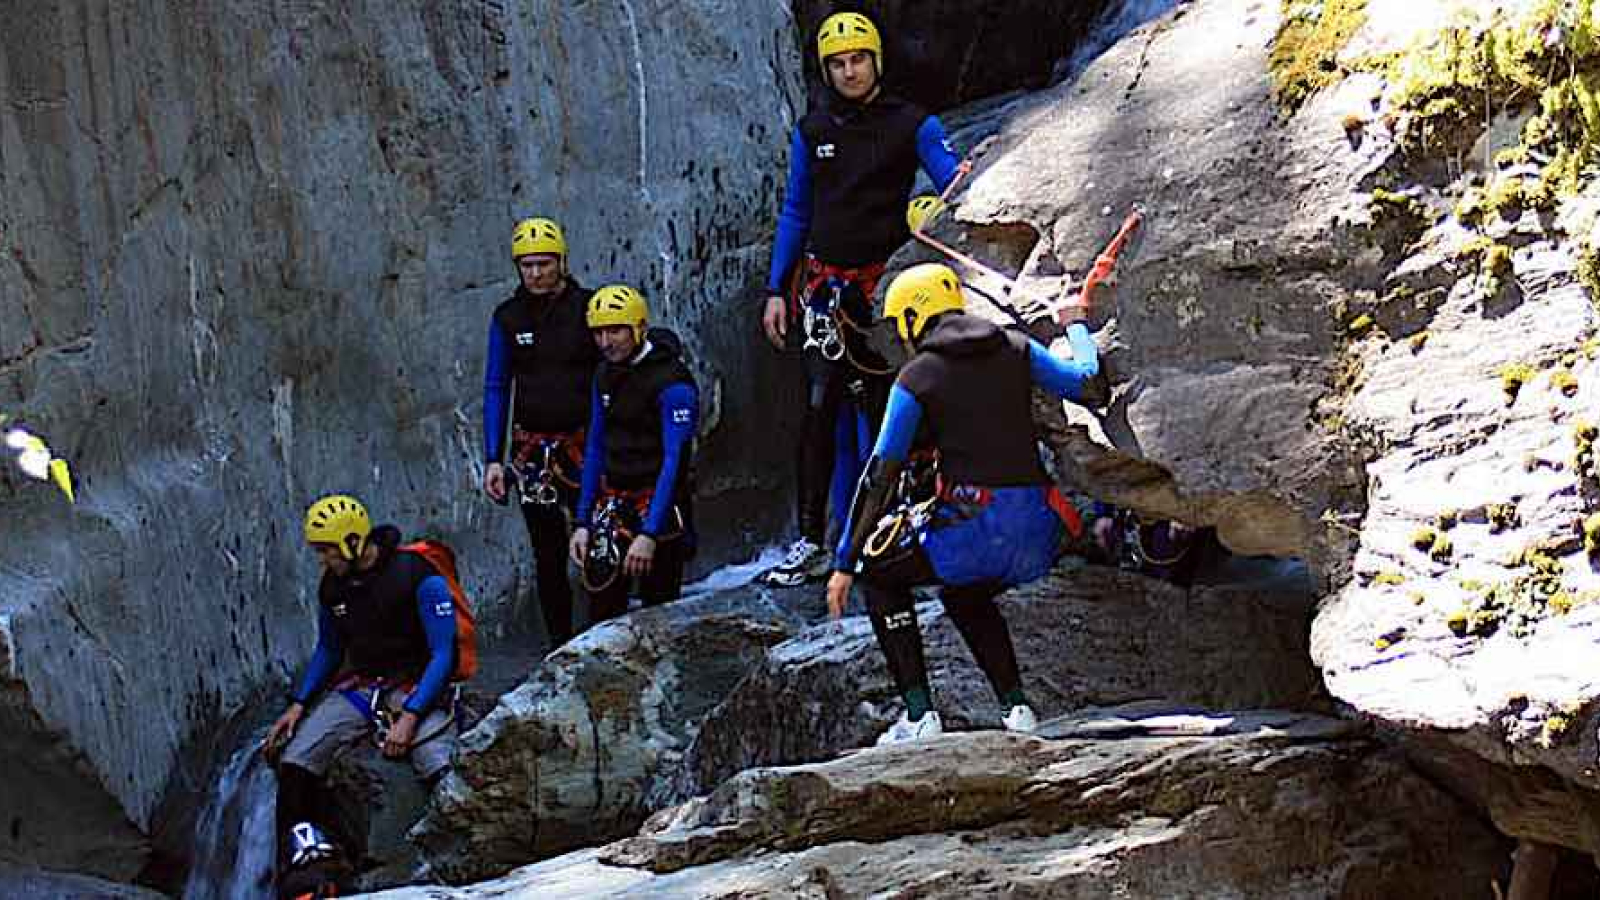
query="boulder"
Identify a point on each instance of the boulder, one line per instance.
(567, 759)
(1134, 803)
(1378, 359)
(1085, 636)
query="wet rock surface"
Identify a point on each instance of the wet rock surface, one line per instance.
(568, 758)
(1130, 802)
(1085, 636)
(18, 881)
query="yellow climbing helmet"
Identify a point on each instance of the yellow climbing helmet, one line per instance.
(845, 32)
(618, 304)
(339, 520)
(920, 293)
(922, 210)
(537, 236)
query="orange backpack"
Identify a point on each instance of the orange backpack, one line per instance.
(443, 559)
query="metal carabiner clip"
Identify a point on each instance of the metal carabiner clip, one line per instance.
(544, 493)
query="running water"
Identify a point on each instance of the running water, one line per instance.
(736, 575)
(1112, 26)
(233, 840)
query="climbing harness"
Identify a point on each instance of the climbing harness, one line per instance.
(824, 292)
(916, 492)
(618, 519)
(615, 524)
(539, 466)
(366, 695)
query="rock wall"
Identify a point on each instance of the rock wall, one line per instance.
(249, 253)
(1357, 326)
(947, 52)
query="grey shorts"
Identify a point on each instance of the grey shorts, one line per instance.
(334, 725)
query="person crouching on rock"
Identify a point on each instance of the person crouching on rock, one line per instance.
(386, 650)
(634, 514)
(997, 520)
(541, 361)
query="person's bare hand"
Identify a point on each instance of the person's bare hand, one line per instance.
(641, 555)
(494, 481)
(839, 593)
(282, 731)
(775, 321)
(398, 741)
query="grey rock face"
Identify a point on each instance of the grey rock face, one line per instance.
(1221, 338)
(1242, 397)
(250, 254)
(1088, 636)
(16, 881)
(567, 759)
(1251, 804)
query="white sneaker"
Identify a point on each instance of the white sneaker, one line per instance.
(1021, 720)
(804, 562)
(930, 725)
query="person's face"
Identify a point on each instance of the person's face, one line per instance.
(853, 74)
(332, 561)
(541, 272)
(616, 342)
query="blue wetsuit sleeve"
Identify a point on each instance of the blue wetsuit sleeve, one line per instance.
(794, 220)
(438, 611)
(325, 659)
(594, 460)
(1065, 377)
(900, 423)
(679, 408)
(933, 149)
(496, 393)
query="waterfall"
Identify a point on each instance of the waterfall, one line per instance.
(233, 838)
(1112, 26)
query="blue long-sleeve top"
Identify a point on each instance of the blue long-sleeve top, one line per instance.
(679, 406)
(794, 218)
(496, 392)
(435, 607)
(1064, 378)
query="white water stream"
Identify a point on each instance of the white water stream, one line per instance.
(233, 840)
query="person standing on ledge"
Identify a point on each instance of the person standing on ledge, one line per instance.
(997, 521)
(540, 363)
(853, 161)
(635, 512)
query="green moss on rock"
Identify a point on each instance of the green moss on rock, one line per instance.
(1305, 52)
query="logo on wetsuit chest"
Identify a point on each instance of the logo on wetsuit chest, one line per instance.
(825, 151)
(605, 401)
(524, 339)
(340, 609)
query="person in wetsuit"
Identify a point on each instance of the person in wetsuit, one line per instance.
(998, 521)
(385, 654)
(635, 519)
(540, 354)
(853, 161)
